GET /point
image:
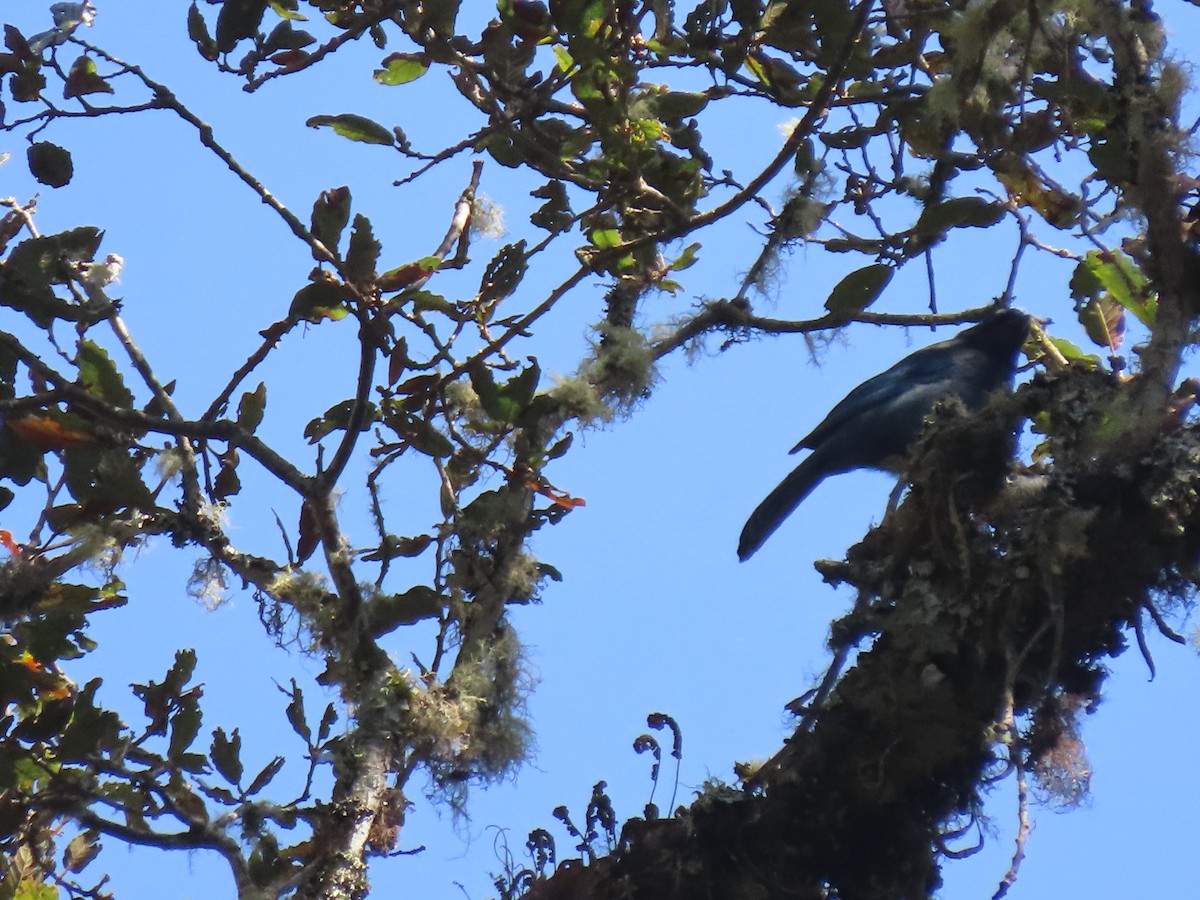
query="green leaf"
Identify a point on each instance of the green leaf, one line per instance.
(685, 259)
(393, 547)
(401, 68)
(555, 214)
(16, 42)
(1116, 275)
(560, 447)
(1059, 208)
(960, 212)
(99, 376)
(330, 214)
(226, 755)
(354, 127)
(185, 725)
(363, 254)
(437, 17)
(605, 238)
(389, 612)
(848, 138)
(238, 20)
(181, 671)
(1074, 352)
(563, 58)
(507, 402)
(263, 778)
(84, 78)
(27, 85)
(336, 418)
(327, 720)
(323, 299)
(295, 712)
(198, 32)
(81, 850)
(50, 164)
(285, 37)
(288, 9)
(92, 731)
(427, 301)
(30, 889)
(419, 434)
(36, 264)
(674, 106)
(251, 407)
(503, 273)
(859, 289)
(107, 477)
(227, 483)
(20, 460)
(1104, 321)
(1114, 161)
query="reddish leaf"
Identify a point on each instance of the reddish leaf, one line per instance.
(310, 536)
(397, 361)
(399, 278)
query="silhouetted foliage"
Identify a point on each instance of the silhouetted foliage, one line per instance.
(987, 602)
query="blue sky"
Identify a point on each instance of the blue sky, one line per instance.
(655, 613)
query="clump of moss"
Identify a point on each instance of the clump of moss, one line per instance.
(579, 399)
(475, 726)
(621, 366)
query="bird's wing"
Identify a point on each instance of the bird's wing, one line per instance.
(925, 367)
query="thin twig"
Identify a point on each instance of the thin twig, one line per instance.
(352, 33)
(25, 212)
(223, 430)
(271, 337)
(369, 348)
(1024, 827)
(815, 111)
(190, 475)
(727, 314)
(522, 325)
(166, 99)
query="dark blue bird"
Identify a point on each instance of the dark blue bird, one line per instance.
(877, 422)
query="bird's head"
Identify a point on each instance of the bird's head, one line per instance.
(1002, 333)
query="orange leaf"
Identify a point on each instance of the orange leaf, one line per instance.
(6, 541)
(558, 497)
(50, 433)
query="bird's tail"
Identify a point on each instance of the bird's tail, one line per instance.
(779, 505)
